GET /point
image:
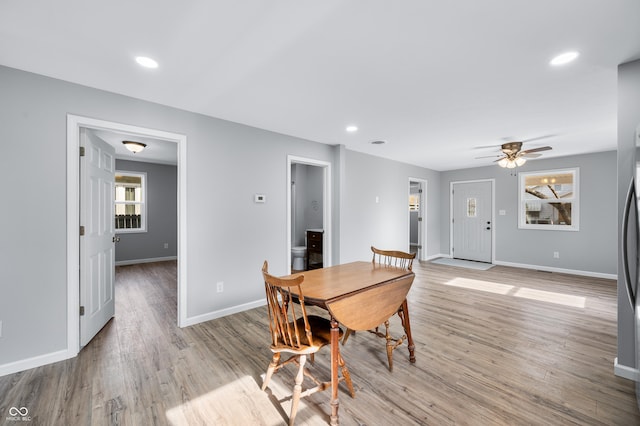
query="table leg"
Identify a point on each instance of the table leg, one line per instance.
(406, 323)
(335, 334)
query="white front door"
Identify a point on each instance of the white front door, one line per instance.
(472, 215)
(97, 245)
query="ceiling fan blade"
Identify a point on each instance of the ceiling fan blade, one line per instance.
(538, 138)
(489, 156)
(542, 148)
(530, 155)
(487, 146)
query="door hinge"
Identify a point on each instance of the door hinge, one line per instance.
(419, 191)
(81, 230)
(453, 220)
(419, 219)
(82, 151)
(81, 310)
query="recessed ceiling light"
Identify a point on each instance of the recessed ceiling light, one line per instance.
(352, 128)
(564, 58)
(378, 142)
(146, 62)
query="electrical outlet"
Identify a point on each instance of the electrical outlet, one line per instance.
(556, 255)
(220, 287)
(166, 245)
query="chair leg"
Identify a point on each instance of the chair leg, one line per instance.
(297, 389)
(390, 346)
(346, 336)
(346, 375)
(272, 367)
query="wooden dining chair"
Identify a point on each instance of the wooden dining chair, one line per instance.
(398, 259)
(298, 334)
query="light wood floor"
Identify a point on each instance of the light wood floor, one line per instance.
(489, 352)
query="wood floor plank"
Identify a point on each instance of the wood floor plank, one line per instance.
(505, 346)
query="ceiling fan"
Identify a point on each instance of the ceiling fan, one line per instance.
(512, 155)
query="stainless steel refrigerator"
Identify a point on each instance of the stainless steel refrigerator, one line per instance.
(627, 362)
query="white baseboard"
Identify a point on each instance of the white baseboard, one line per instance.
(626, 372)
(224, 312)
(150, 260)
(36, 361)
(559, 270)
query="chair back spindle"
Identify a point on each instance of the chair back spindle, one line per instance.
(399, 259)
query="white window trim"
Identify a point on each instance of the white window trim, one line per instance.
(575, 201)
(143, 204)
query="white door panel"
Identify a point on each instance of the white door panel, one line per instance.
(472, 216)
(97, 254)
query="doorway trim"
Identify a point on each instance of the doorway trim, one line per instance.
(326, 202)
(422, 238)
(493, 214)
(74, 123)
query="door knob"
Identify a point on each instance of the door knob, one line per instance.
(488, 228)
(116, 239)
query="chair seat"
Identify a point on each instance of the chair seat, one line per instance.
(321, 329)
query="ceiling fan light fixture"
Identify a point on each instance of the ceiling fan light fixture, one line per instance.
(134, 147)
(520, 161)
(511, 164)
(503, 162)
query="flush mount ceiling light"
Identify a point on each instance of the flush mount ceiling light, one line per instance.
(564, 58)
(146, 62)
(352, 128)
(134, 147)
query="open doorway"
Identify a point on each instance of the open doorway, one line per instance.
(77, 128)
(417, 217)
(308, 213)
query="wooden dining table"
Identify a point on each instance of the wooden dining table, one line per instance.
(359, 296)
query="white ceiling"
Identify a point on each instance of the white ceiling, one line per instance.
(435, 79)
(157, 150)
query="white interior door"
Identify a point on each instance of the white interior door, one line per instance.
(97, 245)
(472, 216)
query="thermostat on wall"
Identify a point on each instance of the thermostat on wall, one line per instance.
(259, 198)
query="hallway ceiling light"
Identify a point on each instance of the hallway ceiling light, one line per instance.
(134, 147)
(352, 129)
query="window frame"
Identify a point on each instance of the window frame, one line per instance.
(574, 200)
(142, 203)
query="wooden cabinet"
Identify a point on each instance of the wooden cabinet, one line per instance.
(314, 248)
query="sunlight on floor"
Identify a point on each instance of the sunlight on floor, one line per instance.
(241, 402)
(551, 297)
(522, 292)
(488, 286)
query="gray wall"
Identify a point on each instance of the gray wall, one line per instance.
(162, 215)
(384, 224)
(591, 249)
